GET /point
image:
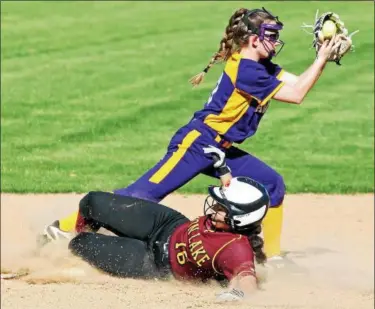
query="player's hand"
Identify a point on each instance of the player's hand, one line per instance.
(217, 154)
(328, 47)
(226, 179)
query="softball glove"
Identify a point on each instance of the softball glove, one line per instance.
(324, 31)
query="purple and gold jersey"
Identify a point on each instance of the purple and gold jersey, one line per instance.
(241, 97)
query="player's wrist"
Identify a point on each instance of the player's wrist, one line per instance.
(321, 61)
(226, 179)
(223, 170)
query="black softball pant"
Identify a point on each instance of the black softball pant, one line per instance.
(142, 227)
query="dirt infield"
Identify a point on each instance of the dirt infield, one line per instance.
(332, 237)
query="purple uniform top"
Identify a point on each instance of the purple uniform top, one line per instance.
(241, 97)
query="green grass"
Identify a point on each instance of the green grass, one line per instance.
(92, 92)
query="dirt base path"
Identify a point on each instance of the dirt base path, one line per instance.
(332, 237)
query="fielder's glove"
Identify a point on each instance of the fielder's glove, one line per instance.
(346, 44)
(233, 295)
(219, 159)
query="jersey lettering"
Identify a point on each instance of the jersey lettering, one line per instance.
(200, 254)
(197, 250)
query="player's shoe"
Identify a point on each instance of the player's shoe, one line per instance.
(53, 233)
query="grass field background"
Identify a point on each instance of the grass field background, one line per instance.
(92, 92)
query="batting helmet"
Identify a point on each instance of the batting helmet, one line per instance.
(245, 200)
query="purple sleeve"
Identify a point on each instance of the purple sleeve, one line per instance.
(257, 82)
(272, 68)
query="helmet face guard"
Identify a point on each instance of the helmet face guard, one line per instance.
(272, 37)
(242, 216)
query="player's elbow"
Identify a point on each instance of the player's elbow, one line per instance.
(295, 96)
(298, 98)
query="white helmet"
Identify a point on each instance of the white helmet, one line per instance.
(245, 200)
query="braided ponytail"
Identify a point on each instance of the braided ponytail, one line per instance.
(257, 243)
(236, 35)
(226, 47)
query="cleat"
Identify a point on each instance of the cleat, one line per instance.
(53, 233)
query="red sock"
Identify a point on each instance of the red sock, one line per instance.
(80, 224)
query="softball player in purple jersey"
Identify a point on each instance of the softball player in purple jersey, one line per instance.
(232, 114)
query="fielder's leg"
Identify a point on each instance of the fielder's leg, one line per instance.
(184, 160)
(245, 164)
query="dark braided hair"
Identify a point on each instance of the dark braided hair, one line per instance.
(257, 243)
(236, 35)
(252, 234)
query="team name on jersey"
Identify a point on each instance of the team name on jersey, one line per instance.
(195, 246)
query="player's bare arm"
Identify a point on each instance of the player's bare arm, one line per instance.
(331, 42)
(295, 93)
(289, 78)
(240, 288)
(247, 283)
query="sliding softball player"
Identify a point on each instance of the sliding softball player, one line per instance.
(155, 241)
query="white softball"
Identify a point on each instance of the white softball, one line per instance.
(329, 29)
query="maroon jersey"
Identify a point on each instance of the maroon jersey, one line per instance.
(196, 251)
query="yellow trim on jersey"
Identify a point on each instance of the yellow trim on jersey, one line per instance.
(231, 68)
(217, 139)
(171, 163)
(218, 251)
(278, 76)
(234, 109)
(271, 94)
